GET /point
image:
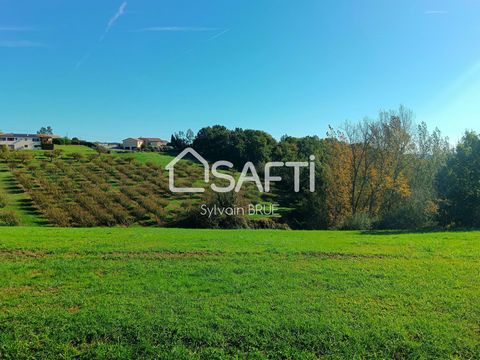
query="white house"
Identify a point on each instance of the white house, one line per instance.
(132, 144)
(137, 143)
(25, 141)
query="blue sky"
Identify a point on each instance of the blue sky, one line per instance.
(106, 70)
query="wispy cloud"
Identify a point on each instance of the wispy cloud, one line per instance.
(120, 12)
(436, 12)
(21, 44)
(201, 44)
(219, 34)
(82, 59)
(176, 29)
(113, 20)
(15, 29)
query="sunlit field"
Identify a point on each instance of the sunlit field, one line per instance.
(169, 293)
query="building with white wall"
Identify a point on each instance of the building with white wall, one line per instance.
(26, 141)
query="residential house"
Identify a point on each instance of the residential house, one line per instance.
(132, 144)
(27, 141)
(138, 143)
(154, 142)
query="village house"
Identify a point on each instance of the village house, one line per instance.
(27, 141)
(141, 142)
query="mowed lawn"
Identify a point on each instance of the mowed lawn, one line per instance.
(169, 293)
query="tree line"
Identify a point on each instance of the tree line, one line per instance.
(383, 173)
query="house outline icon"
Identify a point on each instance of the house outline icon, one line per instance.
(171, 171)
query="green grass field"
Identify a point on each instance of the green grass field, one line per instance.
(70, 149)
(160, 159)
(147, 157)
(169, 293)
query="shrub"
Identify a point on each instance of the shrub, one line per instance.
(77, 157)
(8, 218)
(196, 217)
(24, 157)
(57, 217)
(3, 200)
(267, 223)
(358, 221)
(121, 216)
(81, 217)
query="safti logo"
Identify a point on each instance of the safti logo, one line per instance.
(248, 174)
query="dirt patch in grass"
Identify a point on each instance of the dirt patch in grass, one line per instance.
(73, 309)
(13, 253)
(20, 289)
(9, 253)
(14, 290)
(159, 254)
(346, 256)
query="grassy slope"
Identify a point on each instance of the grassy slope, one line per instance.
(67, 150)
(18, 201)
(70, 149)
(144, 157)
(181, 293)
(22, 205)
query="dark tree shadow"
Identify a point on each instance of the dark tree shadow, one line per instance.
(415, 231)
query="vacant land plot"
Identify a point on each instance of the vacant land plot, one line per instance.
(168, 293)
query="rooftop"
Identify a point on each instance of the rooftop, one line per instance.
(28, 135)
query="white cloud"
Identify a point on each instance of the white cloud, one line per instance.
(21, 44)
(113, 20)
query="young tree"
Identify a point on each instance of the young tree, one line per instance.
(77, 157)
(420, 210)
(45, 130)
(24, 157)
(54, 154)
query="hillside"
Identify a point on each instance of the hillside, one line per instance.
(79, 187)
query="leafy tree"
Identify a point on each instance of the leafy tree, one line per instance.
(4, 153)
(77, 157)
(420, 210)
(53, 154)
(309, 208)
(45, 130)
(24, 157)
(458, 184)
(62, 141)
(238, 146)
(377, 161)
(181, 140)
(214, 143)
